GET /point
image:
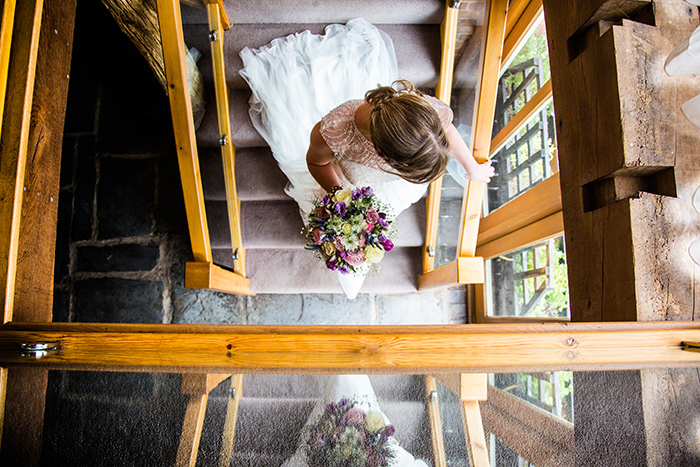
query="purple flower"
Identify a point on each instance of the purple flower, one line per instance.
(387, 245)
(332, 265)
(388, 432)
(342, 254)
(367, 191)
(356, 194)
(344, 269)
(341, 208)
(381, 238)
(326, 200)
(344, 404)
(383, 223)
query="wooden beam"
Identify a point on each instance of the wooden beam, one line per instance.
(474, 433)
(518, 33)
(200, 383)
(370, 349)
(210, 276)
(8, 22)
(191, 430)
(37, 237)
(432, 215)
(515, 10)
(483, 122)
(229, 435)
(15, 140)
(170, 20)
(436, 435)
(533, 106)
(549, 227)
(224, 17)
(228, 151)
(440, 278)
(538, 436)
(539, 202)
(472, 386)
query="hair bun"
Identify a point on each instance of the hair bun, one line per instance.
(384, 94)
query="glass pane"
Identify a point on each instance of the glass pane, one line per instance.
(530, 282)
(527, 158)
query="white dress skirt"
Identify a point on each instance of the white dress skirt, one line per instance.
(296, 80)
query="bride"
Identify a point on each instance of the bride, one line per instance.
(311, 104)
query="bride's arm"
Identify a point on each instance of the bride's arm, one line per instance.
(320, 160)
(461, 152)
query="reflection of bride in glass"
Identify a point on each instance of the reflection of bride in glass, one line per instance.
(349, 433)
(395, 139)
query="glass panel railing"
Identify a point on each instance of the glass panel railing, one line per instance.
(529, 282)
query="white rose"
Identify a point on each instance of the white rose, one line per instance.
(328, 248)
(374, 421)
(374, 254)
(343, 196)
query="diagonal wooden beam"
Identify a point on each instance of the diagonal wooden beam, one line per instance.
(170, 20)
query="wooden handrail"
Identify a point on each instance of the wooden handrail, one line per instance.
(170, 20)
(549, 227)
(228, 151)
(475, 348)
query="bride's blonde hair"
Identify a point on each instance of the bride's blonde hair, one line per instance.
(407, 132)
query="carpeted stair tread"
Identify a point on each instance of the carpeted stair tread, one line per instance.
(257, 175)
(277, 224)
(417, 47)
(305, 11)
(288, 271)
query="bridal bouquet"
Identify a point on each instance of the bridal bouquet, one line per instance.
(348, 228)
(347, 436)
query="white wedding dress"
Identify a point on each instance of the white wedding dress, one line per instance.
(360, 388)
(303, 78)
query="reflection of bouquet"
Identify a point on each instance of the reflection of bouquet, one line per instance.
(348, 228)
(347, 436)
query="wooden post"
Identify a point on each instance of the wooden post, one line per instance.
(436, 435)
(474, 389)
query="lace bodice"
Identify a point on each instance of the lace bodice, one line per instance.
(348, 144)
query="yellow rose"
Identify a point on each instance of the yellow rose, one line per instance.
(374, 254)
(328, 248)
(343, 196)
(347, 229)
(374, 421)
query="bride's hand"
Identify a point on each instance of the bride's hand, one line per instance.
(481, 172)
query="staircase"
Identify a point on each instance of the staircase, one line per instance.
(276, 261)
(274, 408)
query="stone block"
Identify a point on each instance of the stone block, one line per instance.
(61, 305)
(170, 214)
(416, 308)
(118, 301)
(192, 306)
(275, 309)
(329, 309)
(126, 257)
(84, 194)
(125, 197)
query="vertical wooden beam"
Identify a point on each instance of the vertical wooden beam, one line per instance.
(24, 390)
(473, 388)
(229, 435)
(37, 238)
(8, 22)
(436, 436)
(170, 21)
(15, 139)
(516, 35)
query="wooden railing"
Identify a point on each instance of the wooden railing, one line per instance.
(203, 273)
